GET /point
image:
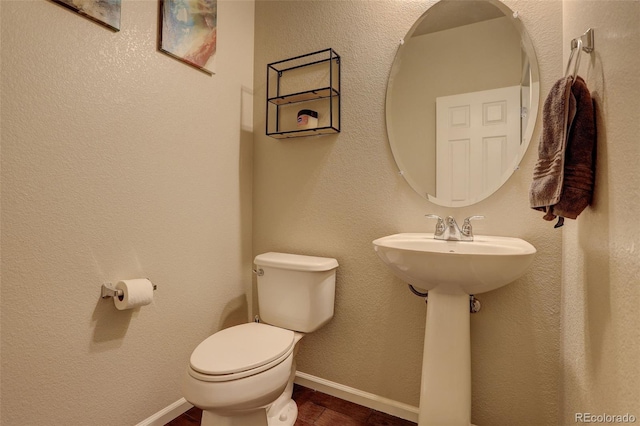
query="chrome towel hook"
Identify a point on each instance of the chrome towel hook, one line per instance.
(584, 42)
(586, 39)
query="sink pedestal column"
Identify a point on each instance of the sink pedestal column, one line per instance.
(445, 390)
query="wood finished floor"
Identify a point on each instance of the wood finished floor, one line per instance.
(317, 408)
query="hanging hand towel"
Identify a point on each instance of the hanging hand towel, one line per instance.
(563, 177)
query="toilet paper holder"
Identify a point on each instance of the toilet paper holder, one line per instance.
(108, 290)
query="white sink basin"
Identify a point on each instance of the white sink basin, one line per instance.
(478, 266)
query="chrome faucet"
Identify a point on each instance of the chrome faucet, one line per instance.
(439, 231)
(448, 229)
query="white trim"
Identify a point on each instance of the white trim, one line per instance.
(386, 405)
(167, 414)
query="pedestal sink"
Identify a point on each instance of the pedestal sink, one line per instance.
(451, 271)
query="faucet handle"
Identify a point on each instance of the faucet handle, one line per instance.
(466, 226)
(470, 218)
(439, 224)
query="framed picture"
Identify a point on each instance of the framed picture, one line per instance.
(188, 31)
(104, 12)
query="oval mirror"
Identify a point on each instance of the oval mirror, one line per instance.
(462, 100)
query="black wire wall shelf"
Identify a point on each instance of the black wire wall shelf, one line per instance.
(310, 81)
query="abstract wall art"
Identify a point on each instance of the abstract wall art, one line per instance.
(188, 31)
(104, 12)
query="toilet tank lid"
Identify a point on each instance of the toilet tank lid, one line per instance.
(295, 262)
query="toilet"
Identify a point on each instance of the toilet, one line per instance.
(243, 375)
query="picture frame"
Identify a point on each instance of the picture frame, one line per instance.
(103, 12)
(188, 32)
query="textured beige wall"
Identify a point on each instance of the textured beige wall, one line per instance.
(332, 195)
(117, 162)
(601, 272)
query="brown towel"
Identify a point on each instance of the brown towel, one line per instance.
(563, 177)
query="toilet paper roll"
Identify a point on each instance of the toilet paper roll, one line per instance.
(137, 292)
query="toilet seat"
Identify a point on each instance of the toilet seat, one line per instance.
(240, 351)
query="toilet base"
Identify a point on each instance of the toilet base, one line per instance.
(253, 418)
(284, 411)
(286, 416)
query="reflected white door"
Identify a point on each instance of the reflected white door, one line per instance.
(477, 140)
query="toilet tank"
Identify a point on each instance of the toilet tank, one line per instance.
(296, 292)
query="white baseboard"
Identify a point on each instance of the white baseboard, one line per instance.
(386, 405)
(376, 402)
(167, 414)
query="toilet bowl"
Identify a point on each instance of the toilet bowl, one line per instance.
(243, 375)
(238, 372)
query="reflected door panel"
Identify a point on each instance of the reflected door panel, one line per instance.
(477, 139)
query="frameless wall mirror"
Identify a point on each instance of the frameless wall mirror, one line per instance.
(462, 100)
